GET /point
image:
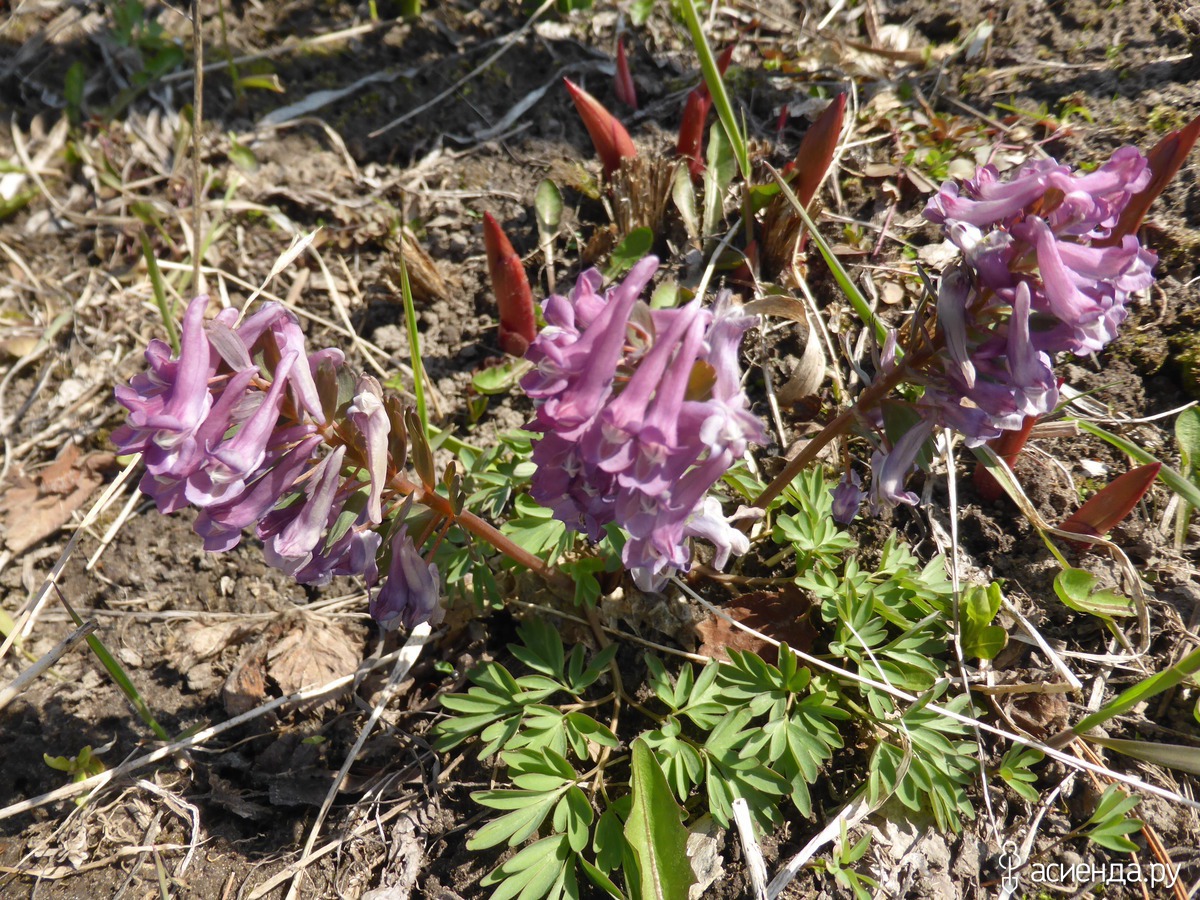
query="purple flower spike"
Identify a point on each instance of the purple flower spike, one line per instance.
(410, 594)
(214, 434)
(1038, 277)
(953, 294)
(639, 450)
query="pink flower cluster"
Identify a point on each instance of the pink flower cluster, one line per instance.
(641, 411)
(248, 427)
(1039, 275)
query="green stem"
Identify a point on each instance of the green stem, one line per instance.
(414, 345)
(160, 293)
(485, 532)
(716, 87)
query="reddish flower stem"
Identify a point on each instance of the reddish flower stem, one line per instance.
(869, 398)
(484, 531)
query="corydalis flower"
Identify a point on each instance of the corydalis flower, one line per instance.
(410, 594)
(1041, 273)
(640, 411)
(1046, 228)
(239, 426)
(847, 498)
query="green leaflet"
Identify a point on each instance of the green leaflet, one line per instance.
(655, 832)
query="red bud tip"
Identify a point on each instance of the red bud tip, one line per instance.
(817, 149)
(514, 299)
(723, 62)
(611, 140)
(691, 132)
(695, 114)
(1112, 503)
(1165, 160)
(623, 85)
(1008, 447)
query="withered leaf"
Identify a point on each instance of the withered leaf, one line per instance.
(781, 614)
(34, 509)
(313, 652)
(424, 278)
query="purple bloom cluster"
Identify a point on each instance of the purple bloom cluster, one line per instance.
(1038, 277)
(1046, 228)
(242, 426)
(640, 411)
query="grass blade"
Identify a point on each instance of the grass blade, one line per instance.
(840, 275)
(414, 348)
(716, 87)
(117, 673)
(1176, 482)
(1143, 690)
(160, 293)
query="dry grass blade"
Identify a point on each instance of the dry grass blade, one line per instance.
(508, 44)
(28, 615)
(849, 815)
(53, 655)
(96, 782)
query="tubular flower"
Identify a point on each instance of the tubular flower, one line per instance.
(238, 425)
(641, 411)
(1041, 273)
(410, 594)
(1046, 228)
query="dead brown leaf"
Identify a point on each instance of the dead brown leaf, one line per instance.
(809, 374)
(314, 652)
(781, 614)
(424, 277)
(246, 686)
(295, 651)
(32, 509)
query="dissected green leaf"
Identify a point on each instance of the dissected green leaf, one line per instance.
(533, 872)
(1110, 822)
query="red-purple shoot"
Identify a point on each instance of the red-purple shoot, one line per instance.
(695, 113)
(518, 324)
(1112, 503)
(1008, 447)
(1164, 161)
(816, 151)
(611, 140)
(623, 82)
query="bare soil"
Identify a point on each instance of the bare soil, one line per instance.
(206, 638)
